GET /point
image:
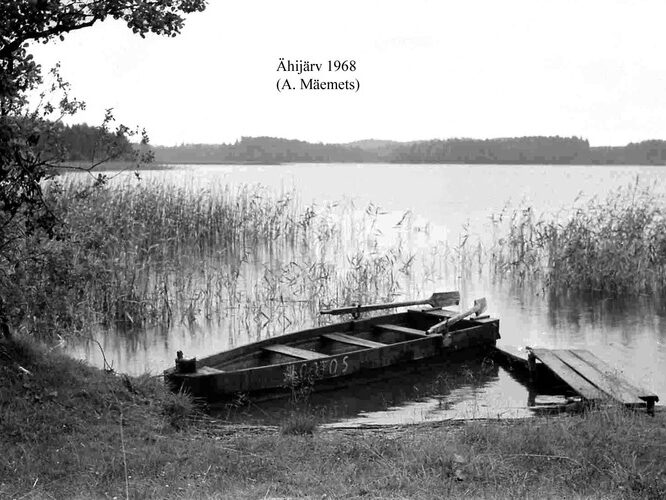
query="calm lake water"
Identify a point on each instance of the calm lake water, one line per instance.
(448, 200)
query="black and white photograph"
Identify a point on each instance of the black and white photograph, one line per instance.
(306, 249)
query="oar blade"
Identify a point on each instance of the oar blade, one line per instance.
(444, 299)
(443, 326)
(480, 306)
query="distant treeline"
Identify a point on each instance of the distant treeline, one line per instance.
(263, 150)
(85, 143)
(526, 150)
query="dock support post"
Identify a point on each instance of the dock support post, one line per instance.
(531, 364)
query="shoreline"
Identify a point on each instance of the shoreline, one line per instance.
(159, 165)
(72, 431)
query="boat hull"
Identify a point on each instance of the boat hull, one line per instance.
(213, 384)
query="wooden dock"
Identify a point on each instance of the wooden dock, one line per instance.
(592, 378)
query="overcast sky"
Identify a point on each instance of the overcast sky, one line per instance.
(427, 69)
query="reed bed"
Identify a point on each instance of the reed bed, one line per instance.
(147, 253)
(613, 245)
(139, 254)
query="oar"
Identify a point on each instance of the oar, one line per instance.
(443, 326)
(440, 299)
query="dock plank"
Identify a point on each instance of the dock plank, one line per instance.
(611, 373)
(402, 329)
(348, 339)
(294, 352)
(578, 383)
(605, 384)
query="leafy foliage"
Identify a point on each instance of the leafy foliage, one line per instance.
(82, 142)
(32, 144)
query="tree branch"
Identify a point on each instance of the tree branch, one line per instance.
(9, 49)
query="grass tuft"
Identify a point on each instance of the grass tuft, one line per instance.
(179, 409)
(299, 423)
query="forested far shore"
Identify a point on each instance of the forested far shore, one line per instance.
(81, 142)
(86, 143)
(518, 150)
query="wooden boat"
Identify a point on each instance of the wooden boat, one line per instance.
(339, 350)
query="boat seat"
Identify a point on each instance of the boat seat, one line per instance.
(437, 313)
(402, 329)
(208, 370)
(294, 352)
(348, 339)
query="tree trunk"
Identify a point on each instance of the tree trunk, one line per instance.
(4, 325)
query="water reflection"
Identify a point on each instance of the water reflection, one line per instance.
(439, 389)
(628, 333)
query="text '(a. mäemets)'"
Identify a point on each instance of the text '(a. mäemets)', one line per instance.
(299, 79)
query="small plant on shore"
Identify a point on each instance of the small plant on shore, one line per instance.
(179, 410)
(299, 423)
(299, 384)
(300, 420)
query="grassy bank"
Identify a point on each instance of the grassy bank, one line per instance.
(69, 431)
